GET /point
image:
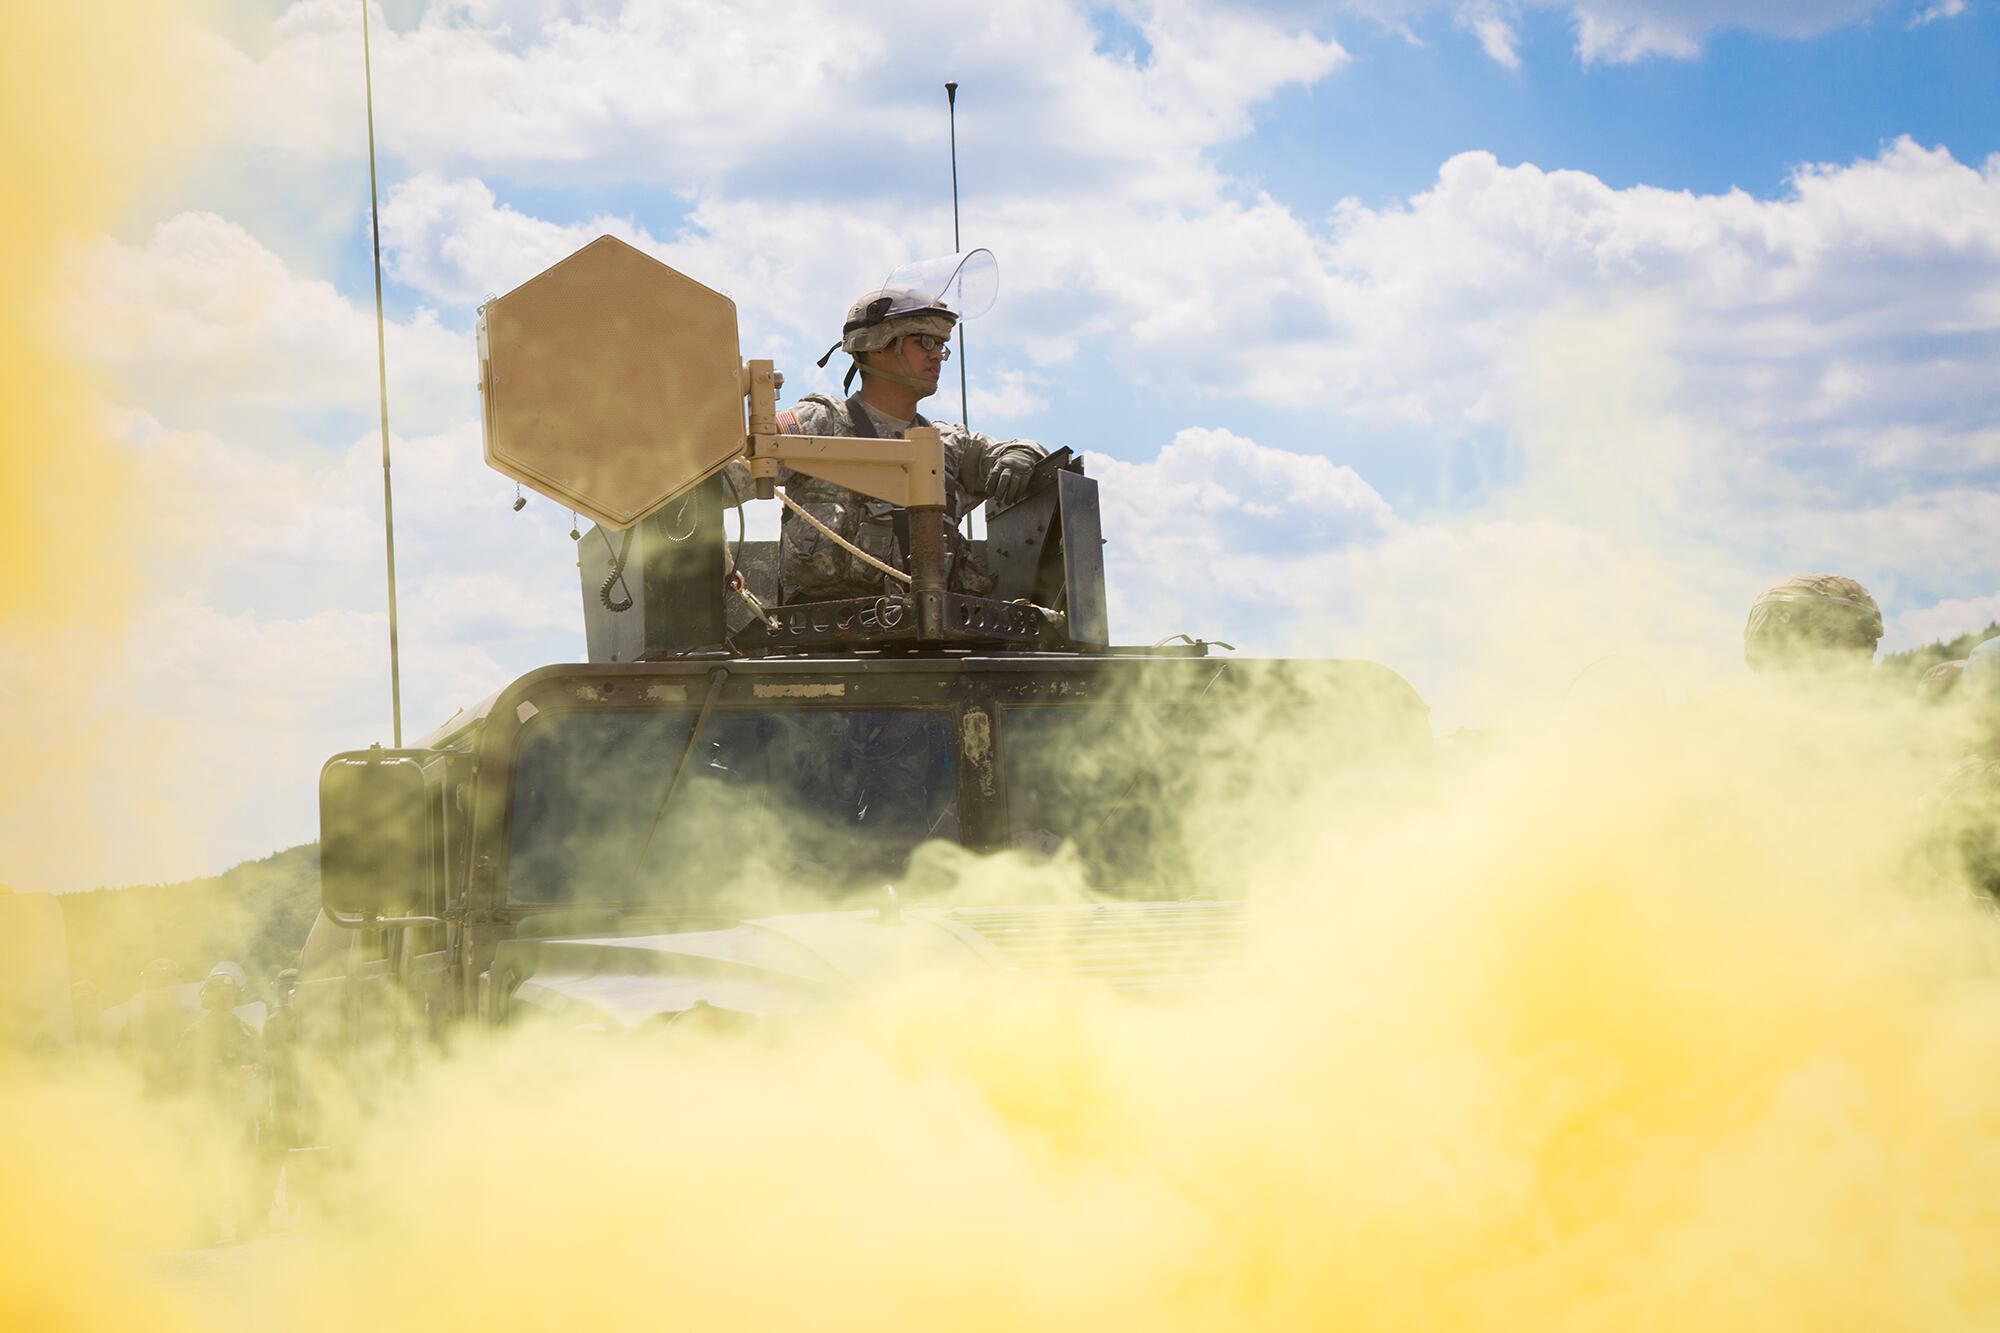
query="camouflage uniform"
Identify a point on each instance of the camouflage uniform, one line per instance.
(813, 569)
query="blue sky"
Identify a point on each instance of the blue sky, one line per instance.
(1421, 330)
(1741, 116)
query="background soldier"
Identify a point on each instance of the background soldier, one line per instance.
(1812, 623)
(151, 1038)
(1964, 809)
(899, 341)
(221, 1056)
(280, 1132)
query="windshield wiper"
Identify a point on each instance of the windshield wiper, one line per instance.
(715, 680)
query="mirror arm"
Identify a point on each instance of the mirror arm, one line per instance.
(366, 921)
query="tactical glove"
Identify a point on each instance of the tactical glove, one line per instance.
(1010, 478)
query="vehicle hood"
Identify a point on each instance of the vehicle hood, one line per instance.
(779, 965)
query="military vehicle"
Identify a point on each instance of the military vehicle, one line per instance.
(746, 806)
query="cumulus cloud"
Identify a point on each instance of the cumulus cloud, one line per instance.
(1942, 621)
(1203, 524)
(1280, 552)
(1625, 31)
(1943, 9)
(1497, 36)
(202, 319)
(657, 93)
(1628, 30)
(1847, 317)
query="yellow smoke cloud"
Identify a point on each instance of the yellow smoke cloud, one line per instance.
(1661, 1018)
(92, 107)
(95, 108)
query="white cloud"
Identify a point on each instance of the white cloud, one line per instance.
(1625, 31)
(452, 240)
(655, 92)
(1005, 395)
(1858, 302)
(1940, 622)
(202, 319)
(1818, 317)
(1497, 37)
(1201, 526)
(1487, 613)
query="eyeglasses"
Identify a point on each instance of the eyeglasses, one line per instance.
(930, 342)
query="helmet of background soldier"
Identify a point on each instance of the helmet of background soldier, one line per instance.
(223, 987)
(159, 974)
(1812, 620)
(1935, 685)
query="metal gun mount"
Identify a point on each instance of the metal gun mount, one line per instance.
(612, 384)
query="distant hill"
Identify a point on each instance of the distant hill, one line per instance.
(256, 913)
(1919, 660)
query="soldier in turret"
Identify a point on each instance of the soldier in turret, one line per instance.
(899, 340)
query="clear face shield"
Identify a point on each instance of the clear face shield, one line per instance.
(965, 283)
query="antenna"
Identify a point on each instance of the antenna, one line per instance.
(951, 110)
(382, 387)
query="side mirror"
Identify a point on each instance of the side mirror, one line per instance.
(374, 836)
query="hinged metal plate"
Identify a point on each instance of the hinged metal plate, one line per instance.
(611, 383)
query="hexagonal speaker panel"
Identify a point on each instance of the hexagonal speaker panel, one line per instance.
(611, 383)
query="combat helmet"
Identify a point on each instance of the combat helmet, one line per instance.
(224, 975)
(884, 317)
(1811, 619)
(1938, 680)
(928, 297)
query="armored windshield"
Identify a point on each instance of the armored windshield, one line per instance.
(1110, 780)
(829, 798)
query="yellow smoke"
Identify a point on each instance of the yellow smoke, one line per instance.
(1660, 1018)
(95, 106)
(1659, 1015)
(91, 108)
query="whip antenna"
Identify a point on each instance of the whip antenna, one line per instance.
(951, 110)
(382, 388)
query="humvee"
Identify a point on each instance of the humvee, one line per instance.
(746, 806)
